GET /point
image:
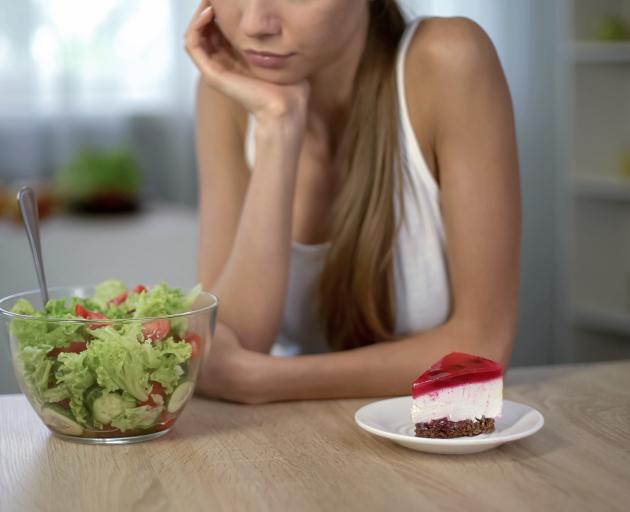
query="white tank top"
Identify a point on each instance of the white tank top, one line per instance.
(423, 298)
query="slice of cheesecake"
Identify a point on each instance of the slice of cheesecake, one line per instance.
(460, 395)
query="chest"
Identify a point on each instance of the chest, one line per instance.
(318, 183)
(315, 193)
(317, 187)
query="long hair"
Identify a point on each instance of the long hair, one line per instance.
(356, 295)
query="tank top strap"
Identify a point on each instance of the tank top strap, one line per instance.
(411, 148)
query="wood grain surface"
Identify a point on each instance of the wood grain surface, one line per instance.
(311, 456)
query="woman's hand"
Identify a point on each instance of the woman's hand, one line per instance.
(223, 69)
(230, 372)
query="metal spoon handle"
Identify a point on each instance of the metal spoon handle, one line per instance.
(30, 216)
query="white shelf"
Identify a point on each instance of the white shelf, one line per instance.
(601, 52)
(593, 245)
(608, 188)
(602, 320)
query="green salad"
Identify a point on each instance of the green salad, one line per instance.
(112, 377)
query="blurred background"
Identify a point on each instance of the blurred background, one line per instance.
(96, 112)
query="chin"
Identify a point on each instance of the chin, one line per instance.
(278, 76)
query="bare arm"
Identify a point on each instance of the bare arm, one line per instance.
(245, 221)
(246, 227)
(475, 148)
(223, 179)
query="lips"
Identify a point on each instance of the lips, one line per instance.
(267, 59)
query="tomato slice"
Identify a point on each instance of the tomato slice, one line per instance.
(139, 289)
(79, 310)
(74, 347)
(156, 330)
(86, 313)
(83, 312)
(156, 389)
(119, 299)
(166, 421)
(65, 403)
(164, 425)
(195, 343)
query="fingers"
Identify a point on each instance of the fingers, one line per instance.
(200, 46)
(203, 18)
(210, 52)
(200, 13)
(206, 44)
(204, 4)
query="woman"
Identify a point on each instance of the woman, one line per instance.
(377, 226)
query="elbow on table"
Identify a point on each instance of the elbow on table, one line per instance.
(501, 350)
(498, 347)
(494, 340)
(256, 340)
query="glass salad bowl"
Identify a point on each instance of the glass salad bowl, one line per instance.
(108, 364)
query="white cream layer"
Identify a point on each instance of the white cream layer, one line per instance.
(459, 403)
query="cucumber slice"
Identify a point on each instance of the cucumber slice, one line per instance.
(90, 396)
(108, 406)
(180, 395)
(59, 419)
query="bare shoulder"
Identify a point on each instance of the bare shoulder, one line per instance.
(449, 60)
(447, 48)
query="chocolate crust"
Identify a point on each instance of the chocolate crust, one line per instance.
(445, 429)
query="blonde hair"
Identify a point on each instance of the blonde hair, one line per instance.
(357, 297)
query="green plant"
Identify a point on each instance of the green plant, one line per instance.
(625, 165)
(611, 28)
(96, 173)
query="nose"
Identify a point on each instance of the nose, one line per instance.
(260, 19)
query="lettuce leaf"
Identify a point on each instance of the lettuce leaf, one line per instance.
(191, 297)
(66, 309)
(172, 354)
(137, 418)
(36, 369)
(107, 290)
(161, 300)
(61, 334)
(56, 394)
(168, 375)
(57, 308)
(41, 333)
(179, 326)
(76, 375)
(121, 360)
(28, 332)
(178, 351)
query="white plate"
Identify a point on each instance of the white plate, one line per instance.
(392, 419)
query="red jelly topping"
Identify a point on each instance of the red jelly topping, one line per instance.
(456, 369)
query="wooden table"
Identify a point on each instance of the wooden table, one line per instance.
(312, 456)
